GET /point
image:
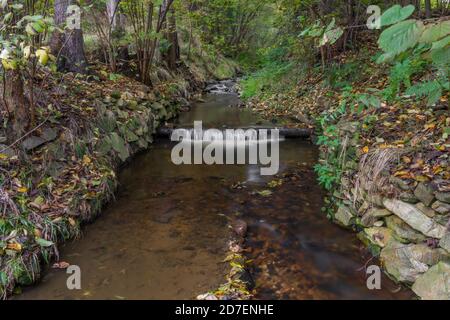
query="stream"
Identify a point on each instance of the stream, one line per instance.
(166, 235)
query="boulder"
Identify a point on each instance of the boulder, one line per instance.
(441, 207)
(415, 218)
(33, 142)
(379, 235)
(442, 220)
(403, 231)
(373, 215)
(376, 199)
(424, 192)
(426, 210)
(445, 242)
(407, 262)
(402, 184)
(443, 196)
(350, 127)
(408, 197)
(345, 216)
(435, 283)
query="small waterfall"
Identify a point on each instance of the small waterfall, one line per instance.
(229, 136)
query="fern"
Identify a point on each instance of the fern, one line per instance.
(431, 89)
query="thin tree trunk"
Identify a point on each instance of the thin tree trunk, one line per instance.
(16, 104)
(428, 9)
(174, 51)
(69, 46)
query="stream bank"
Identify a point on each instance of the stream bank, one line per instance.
(385, 169)
(60, 176)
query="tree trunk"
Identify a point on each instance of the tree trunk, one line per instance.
(172, 36)
(116, 18)
(16, 104)
(68, 46)
(428, 9)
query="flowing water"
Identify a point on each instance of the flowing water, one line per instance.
(166, 235)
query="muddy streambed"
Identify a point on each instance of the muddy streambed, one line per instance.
(165, 236)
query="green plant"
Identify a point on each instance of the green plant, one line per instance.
(410, 46)
(328, 175)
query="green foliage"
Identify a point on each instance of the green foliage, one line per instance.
(324, 35)
(274, 67)
(396, 14)
(413, 47)
(21, 35)
(328, 175)
(432, 90)
(401, 74)
(339, 76)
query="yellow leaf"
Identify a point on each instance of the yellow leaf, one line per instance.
(22, 190)
(406, 159)
(14, 246)
(86, 160)
(72, 222)
(42, 56)
(3, 156)
(365, 149)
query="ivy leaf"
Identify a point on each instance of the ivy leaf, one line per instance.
(441, 56)
(30, 30)
(331, 36)
(401, 36)
(434, 32)
(396, 14)
(44, 243)
(441, 43)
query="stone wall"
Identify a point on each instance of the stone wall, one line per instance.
(404, 223)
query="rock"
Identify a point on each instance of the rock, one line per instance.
(376, 199)
(345, 216)
(435, 283)
(33, 142)
(443, 196)
(374, 249)
(443, 220)
(373, 215)
(415, 218)
(424, 193)
(445, 242)
(403, 231)
(240, 228)
(48, 134)
(350, 127)
(407, 262)
(441, 207)
(207, 296)
(402, 184)
(379, 236)
(379, 223)
(426, 210)
(408, 197)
